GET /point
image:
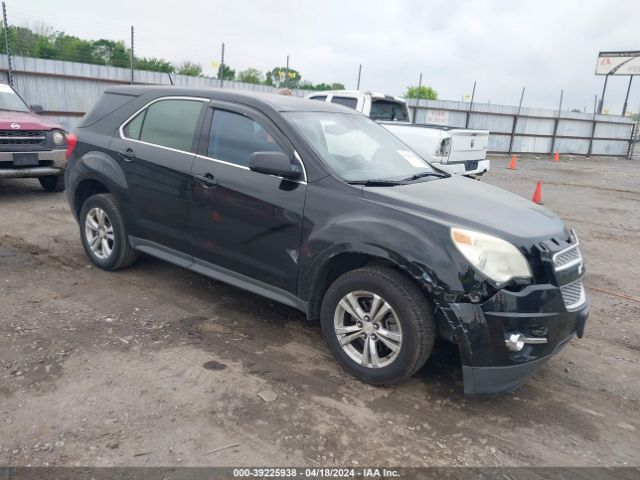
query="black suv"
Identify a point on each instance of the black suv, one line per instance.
(318, 207)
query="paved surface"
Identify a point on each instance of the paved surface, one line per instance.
(155, 365)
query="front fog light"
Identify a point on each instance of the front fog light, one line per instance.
(516, 341)
(58, 138)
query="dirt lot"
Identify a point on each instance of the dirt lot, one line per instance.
(155, 365)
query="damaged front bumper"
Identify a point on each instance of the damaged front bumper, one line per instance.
(482, 331)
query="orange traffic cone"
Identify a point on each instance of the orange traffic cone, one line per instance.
(513, 163)
(556, 157)
(537, 195)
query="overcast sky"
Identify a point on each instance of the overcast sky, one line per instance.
(504, 45)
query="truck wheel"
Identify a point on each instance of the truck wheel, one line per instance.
(52, 183)
(378, 324)
(103, 234)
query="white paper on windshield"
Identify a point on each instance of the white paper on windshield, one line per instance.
(412, 158)
(5, 88)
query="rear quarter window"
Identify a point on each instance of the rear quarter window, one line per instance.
(106, 105)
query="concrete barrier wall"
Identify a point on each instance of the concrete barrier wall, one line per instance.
(66, 90)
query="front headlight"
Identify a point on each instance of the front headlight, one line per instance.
(58, 138)
(496, 258)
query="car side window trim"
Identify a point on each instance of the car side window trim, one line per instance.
(249, 113)
(155, 100)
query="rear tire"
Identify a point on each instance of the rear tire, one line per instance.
(382, 307)
(104, 236)
(52, 183)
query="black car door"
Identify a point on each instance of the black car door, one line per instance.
(156, 150)
(243, 221)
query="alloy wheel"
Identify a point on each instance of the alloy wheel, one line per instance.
(99, 233)
(368, 329)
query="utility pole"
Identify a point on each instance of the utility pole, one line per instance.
(359, 73)
(473, 94)
(286, 73)
(415, 113)
(132, 56)
(6, 42)
(221, 68)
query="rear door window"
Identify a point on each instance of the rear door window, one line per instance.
(389, 110)
(169, 123)
(321, 98)
(346, 101)
(235, 137)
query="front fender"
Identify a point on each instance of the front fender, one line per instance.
(391, 239)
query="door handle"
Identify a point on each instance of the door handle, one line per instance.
(207, 180)
(128, 154)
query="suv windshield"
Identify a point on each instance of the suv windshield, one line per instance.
(357, 148)
(9, 100)
(389, 110)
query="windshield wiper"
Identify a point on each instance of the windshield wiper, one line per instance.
(377, 183)
(425, 174)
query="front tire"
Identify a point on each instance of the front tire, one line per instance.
(104, 236)
(52, 183)
(378, 324)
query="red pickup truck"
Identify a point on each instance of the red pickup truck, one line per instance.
(31, 146)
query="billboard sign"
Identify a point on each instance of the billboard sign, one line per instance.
(618, 63)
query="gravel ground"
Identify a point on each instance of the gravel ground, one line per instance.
(155, 365)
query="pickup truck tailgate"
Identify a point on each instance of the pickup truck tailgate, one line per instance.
(468, 145)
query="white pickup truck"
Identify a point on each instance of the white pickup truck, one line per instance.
(454, 150)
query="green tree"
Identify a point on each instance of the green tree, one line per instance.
(154, 65)
(189, 68)
(44, 48)
(73, 49)
(108, 52)
(250, 75)
(225, 72)
(282, 78)
(425, 93)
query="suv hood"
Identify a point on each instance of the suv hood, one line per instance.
(466, 203)
(26, 120)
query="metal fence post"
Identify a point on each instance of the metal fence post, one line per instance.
(6, 43)
(555, 126)
(635, 132)
(132, 56)
(515, 122)
(593, 129)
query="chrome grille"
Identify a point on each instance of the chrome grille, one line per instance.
(573, 294)
(567, 256)
(22, 137)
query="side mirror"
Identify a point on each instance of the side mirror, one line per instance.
(274, 163)
(37, 108)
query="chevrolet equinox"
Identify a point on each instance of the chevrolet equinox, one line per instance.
(316, 206)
